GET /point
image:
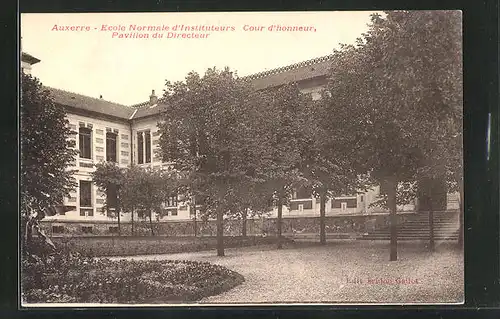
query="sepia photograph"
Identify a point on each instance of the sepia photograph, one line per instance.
(241, 158)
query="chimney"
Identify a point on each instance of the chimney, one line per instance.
(153, 99)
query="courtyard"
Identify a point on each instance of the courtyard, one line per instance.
(340, 272)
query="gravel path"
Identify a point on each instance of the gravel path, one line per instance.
(343, 271)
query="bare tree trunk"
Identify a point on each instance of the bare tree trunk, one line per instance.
(132, 220)
(119, 223)
(33, 224)
(244, 223)
(322, 232)
(431, 229)
(118, 215)
(195, 226)
(41, 234)
(461, 216)
(220, 232)
(151, 222)
(203, 220)
(279, 223)
(28, 235)
(391, 198)
(193, 208)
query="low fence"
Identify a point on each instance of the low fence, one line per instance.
(146, 245)
(355, 224)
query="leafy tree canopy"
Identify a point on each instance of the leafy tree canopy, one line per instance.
(46, 149)
(402, 88)
(209, 133)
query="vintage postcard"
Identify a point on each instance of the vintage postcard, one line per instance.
(241, 158)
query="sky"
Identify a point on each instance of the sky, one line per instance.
(124, 69)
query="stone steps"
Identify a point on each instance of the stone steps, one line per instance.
(417, 227)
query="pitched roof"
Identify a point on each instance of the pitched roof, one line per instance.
(148, 110)
(317, 67)
(25, 57)
(147, 103)
(91, 104)
(313, 68)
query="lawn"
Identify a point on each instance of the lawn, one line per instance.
(340, 272)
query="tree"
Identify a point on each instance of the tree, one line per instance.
(110, 178)
(46, 154)
(326, 155)
(250, 199)
(130, 193)
(455, 171)
(280, 152)
(208, 134)
(152, 188)
(403, 76)
(185, 188)
(435, 55)
(443, 169)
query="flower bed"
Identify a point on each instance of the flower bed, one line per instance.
(72, 278)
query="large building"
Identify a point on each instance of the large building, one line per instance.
(27, 61)
(108, 131)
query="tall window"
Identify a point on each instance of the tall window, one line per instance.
(111, 200)
(112, 196)
(140, 147)
(86, 208)
(144, 147)
(147, 142)
(111, 147)
(171, 201)
(85, 194)
(85, 135)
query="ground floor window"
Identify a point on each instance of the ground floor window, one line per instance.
(86, 207)
(344, 203)
(112, 196)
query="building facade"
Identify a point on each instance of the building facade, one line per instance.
(27, 61)
(107, 131)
